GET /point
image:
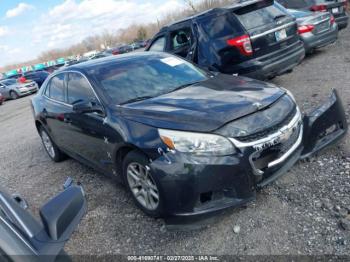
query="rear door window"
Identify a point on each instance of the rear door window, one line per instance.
(57, 88)
(260, 17)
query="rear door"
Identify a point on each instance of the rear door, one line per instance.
(55, 107)
(270, 29)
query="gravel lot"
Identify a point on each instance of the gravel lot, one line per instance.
(304, 212)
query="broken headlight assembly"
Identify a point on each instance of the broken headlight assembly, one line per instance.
(196, 143)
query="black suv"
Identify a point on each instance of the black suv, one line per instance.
(38, 76)
(252, 38)
(335, 7)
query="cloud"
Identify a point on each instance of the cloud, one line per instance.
(4, 48)
(72, 21)
(18, 10)
(3, 30)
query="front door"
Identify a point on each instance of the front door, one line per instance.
(90, 136)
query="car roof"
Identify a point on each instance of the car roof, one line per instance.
(109, 60)
(237, 4)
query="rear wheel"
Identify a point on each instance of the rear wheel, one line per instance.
(52, 150)
(142, 184)
(13, 95)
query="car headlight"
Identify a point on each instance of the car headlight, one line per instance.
(196, 143)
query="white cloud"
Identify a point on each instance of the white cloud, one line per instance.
(73, 20)
(3, 30)
(18, 10)
(4, 48)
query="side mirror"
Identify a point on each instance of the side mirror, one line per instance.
(82, 107)
(62, 213)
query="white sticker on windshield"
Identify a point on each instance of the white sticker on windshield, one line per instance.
(172, 61)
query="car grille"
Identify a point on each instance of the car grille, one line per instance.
(273, 129)
(262, 158)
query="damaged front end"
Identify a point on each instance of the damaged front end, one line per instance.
(324, 126)
(205, 186)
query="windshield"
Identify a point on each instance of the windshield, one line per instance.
(9, 82)
(144, 76)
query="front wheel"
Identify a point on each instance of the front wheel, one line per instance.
(13, 95)
(142, 184)
(52, 150)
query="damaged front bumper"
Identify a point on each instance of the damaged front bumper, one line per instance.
(196, 187)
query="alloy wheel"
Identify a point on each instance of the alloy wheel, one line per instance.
(48, 144)
(143, 186)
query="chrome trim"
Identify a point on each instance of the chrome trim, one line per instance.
(322, 21)
(67, 72)
(18, 219)
(58, 102)
(273, 136)
(19, 235)
(290, 151)
(272, 30)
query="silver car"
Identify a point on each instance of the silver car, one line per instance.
(316, 29)
(11, 89)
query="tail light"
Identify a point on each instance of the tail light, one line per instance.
(243, 44)
(319, 8)
(346, 4)
(332, 20)
(305, 29)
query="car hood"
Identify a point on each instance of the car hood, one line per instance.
(204, 106)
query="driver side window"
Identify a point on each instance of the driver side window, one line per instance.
(79, 89)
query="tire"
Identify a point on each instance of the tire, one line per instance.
(146, 193)
(50, 147)
(13, 95)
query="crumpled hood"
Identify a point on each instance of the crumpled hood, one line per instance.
(205, 106)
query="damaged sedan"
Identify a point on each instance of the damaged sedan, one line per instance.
(185, 142)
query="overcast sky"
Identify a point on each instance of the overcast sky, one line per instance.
(29, 27)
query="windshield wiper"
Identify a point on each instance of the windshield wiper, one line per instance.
(183, 86)
(140, 98)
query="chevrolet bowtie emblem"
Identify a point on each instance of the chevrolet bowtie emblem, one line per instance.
(258, 105)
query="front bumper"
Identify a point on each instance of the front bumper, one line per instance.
(314, 41)
(194, 187)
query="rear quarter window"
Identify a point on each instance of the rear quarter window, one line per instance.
(221, 26)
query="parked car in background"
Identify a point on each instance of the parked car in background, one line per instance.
(37, 76)
(253, 38)
(186, 142)
(121, 49)
(139, 44)
(316, 29)
(11, 89)
(100, 55)
(2, 99)
(336, 7)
